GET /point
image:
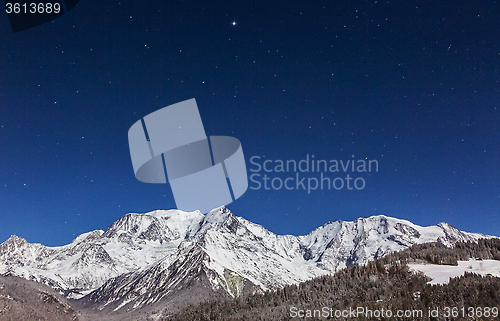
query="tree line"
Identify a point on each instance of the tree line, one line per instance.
(385, 283)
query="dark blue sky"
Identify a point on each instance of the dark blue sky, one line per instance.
(412, 84)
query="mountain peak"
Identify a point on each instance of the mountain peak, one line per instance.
(159, 225)
(15, 241)
(218, 216)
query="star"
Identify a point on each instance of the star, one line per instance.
(234, 23)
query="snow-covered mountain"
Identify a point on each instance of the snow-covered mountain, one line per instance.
(133, 242)
(143, 259)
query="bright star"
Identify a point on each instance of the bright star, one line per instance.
(234, 23)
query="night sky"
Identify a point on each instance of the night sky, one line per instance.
(412, 84)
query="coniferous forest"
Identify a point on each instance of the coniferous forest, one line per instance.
(386, 283)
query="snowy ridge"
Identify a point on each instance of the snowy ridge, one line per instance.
(131, 243)
(142, 259)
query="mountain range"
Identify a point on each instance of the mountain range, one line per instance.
(173, 258)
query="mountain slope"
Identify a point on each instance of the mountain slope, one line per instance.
(386, 284)
(25, 300)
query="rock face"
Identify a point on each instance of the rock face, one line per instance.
(143, 259)
(21, 299)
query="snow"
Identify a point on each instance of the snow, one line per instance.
(441, 274)
(82, 237)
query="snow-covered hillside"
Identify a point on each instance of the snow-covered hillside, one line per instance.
(441, 274)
